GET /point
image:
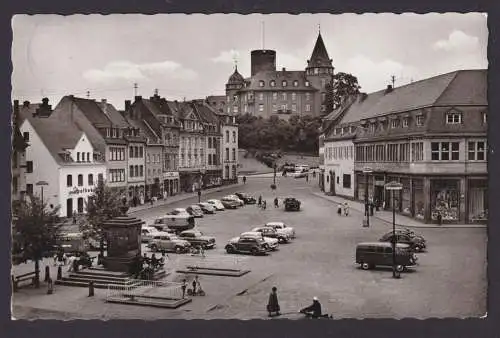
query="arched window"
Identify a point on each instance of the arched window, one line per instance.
(234, 137)
(273, 83)
(91, 179)
(261, 83)
(69, 180)
(80, 180)
(80, 205)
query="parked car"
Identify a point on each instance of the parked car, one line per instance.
(207, 208)
(147, 233)
(416, 243)
(235, 198)
(195, 210)
(291, 204)
(175, 220)
(273, 243)
(196, 238)
(281, 226)
(230, 203)
(252, 245)
(246, 198)
(169, 242)
(272, 233)
(372, 254)
(299, 174)
(217, 204)
(178, 211)
(411, 233)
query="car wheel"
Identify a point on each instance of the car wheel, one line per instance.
(229, 249)
(400, 268)
(254, 251)
(178, 249)
(365, 266)
(154, 248)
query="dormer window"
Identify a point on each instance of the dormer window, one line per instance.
(373, 127)
(108, 132)
(114, 132)
(394, 123)
(420, 120)
(261, 83)
(405, 122)
(272, 83)
(295, 83)
(307, 84)
(454, 118)
(484, 117)
(284, 83)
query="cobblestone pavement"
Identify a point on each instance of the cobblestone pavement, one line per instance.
(449, 282)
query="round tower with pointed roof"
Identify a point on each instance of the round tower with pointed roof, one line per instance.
(235, 83)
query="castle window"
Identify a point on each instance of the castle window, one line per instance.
(273, 83)
(307, 84)
(261, 83)
(295, 83)
(284, 83)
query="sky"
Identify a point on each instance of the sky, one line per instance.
(192, 56)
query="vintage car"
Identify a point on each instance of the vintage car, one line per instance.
(272, 233)
(416, 243)
(235, 198)
(207, 208)
(282, 227)
(229, 203)
(246, 198)
(372, 254)
(196, 238)
(217, 204)
(291, 204)
(251, 245)
(169, 242)
(148, 232)
(195, 211)
(176, 220)
(273, 243)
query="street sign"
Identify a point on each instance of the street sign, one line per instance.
(393, 186)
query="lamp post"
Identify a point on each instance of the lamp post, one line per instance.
(393, 187)
(367, 171)
(41, 184)
(202, 174)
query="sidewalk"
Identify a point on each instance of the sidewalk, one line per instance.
(181, 197)
(386, 216)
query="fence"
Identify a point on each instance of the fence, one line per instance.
(144, 291)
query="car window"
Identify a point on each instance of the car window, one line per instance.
(387, 250)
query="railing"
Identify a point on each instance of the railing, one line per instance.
(144, 291)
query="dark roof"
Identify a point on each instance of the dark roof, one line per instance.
(93, 112)
(220, 103)
(56, 134)
(206, 112)
(319, 56)
(145, 130)
(113, 115)
(253, 83)
(463, 87)
(236, 78)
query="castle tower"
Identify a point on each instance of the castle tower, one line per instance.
(263, 60)
(233, 86)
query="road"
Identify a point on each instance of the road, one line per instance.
(449, 282)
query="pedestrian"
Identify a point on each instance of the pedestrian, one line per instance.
(307, 177)
(74, 217)
(346, 209)
(260, 201)
(439, 218)
(273, 305)
(264, 205)
(194, 284)
(244, 180)
(383, 205)
(339, 209)
(276, 202)
(71, 261)
(371, 208)
(183, 287)
(377, 205)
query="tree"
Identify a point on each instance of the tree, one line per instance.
(103, 204)
(343, 85)
(34, 232)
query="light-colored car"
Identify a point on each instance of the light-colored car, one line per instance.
(169, 242)
(217, 204)
(282, 227)
(147, 233)
(176, 220)
(273, 243)
(195, 210)
(207, 208)
(272, 233)
(235, 198)
(179, 211)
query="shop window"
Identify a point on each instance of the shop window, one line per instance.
(445, 196)
(346, 181)
(478, 200)
(477, 151)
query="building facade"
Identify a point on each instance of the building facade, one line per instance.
(18, 157)
(60, 162)
(271, 92)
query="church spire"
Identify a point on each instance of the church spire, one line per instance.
(319, 56)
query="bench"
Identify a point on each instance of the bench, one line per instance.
(21, 278)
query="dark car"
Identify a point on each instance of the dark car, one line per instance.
(229, 203)
(250, 245)
(196, 238)
(370, 255)
(415, 243)
(248, 199)
(195, 211)
(291, 204)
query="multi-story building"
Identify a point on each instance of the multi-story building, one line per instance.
(61, 161)
(18, 157)
(157, 121)
(270, 92)
(431, 136)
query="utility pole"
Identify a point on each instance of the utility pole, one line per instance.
(393, 80)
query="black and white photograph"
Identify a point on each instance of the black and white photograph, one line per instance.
(263, 166)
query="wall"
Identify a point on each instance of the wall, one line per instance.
(45, 167)
(116, 165)
(227, 173)
(136, 161)
(340, 165)
(153, 169)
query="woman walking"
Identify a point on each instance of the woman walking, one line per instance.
(273, 305)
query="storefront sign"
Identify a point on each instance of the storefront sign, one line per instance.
(171, 175)
(76, 191)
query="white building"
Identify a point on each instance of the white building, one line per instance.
(62, 158)
(229, 148)
(339, 167)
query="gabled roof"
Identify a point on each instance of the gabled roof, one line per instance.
(463, 87)
(319, 56)
(206, 113)
(113, 115)
(145, 130)
(93, 112)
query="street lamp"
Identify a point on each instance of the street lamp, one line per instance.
(202, 174)
(37, 268)
(367, 171)
(393, 187)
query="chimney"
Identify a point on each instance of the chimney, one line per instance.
(389, 89)
(127, 105)
(104, 101)
(138, 98)
(26, 104)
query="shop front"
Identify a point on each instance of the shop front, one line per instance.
(212, 178)
(170, 184)
(136, 195)
(478, 200)
(418, 199)
(445, 200)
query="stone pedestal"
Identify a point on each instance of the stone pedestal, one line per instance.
(123, 236)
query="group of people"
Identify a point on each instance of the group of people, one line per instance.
(273, 307)
(343, 209)
(261, 203)
(196, 288)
